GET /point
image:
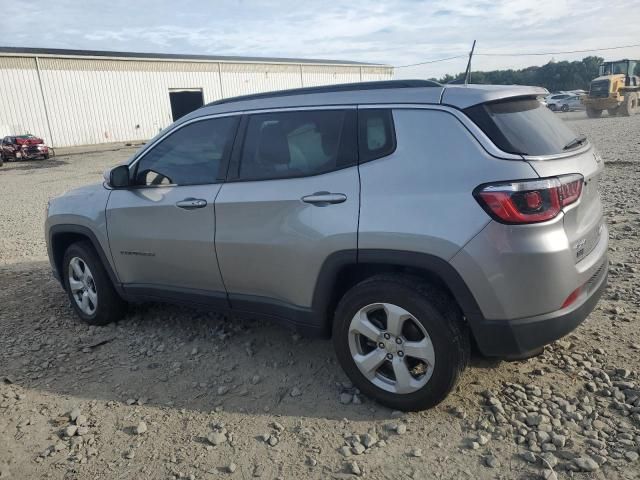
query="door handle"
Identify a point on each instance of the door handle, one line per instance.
(191, 203)
(322, 199)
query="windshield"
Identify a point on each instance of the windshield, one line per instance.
(522, 126)
(613, 68)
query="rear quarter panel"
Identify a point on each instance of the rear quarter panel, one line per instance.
(419, 198)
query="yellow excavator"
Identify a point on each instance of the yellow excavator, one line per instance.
(616, 90)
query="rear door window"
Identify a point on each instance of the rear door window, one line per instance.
(522, 127)
(297, 144)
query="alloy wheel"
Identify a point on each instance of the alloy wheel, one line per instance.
(82, 285)
(391, 348)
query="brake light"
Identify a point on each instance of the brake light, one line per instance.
(530, 201)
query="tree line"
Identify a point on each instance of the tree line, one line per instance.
(554, 76)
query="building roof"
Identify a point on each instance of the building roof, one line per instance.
(60, 52)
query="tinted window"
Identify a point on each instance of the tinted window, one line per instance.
(522, 126)
(192, 155)
(377, 136)
(294, 144)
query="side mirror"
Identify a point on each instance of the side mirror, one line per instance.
(119, 177)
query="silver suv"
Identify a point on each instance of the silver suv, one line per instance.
(406, 219)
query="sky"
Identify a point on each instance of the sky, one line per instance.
(393, 32)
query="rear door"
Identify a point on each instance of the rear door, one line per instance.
(161, 230)
(290, 202)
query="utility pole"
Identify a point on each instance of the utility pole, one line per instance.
(467, 75)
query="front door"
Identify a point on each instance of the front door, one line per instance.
(293, 203)
(162, 229)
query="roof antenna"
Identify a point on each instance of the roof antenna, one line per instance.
(467, 74)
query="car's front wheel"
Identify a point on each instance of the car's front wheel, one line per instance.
(89, 288)
(401, 341)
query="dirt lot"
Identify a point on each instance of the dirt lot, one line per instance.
(171, 392)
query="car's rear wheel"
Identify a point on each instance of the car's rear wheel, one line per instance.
(89, 288)
(552, 107)
(401, 341)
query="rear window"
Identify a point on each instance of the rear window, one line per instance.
(522, 126)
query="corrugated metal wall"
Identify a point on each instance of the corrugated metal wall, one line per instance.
(91, 101)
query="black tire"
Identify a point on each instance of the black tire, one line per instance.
(593, 112)
(553, 107)
(110, 307)
(564, 108)
(438, 315)
(630, 104)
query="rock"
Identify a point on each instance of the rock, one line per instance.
(549, 475)
(70, 431)
(223, 389)
(130, 454)
(356, 400)
(355, 468)
(345, 451)
(483, 439)
(631, 456)
(81, 420)
(346, 398)
(60, 446)
(530, 457)
(255, 379)
(278, 426)
(534, 419)
(549, 460)
(401, 429)
(491, 461)
(75, 413)
(82, 431)
(232, 467)
(273, 440)
(140, 428)
(474, 445)
(369, 440)
(357, 448)
(216, 438)
(586, 464)
(295, 392)
(416, 452)
(558, 440)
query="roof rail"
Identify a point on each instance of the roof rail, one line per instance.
(341, 87)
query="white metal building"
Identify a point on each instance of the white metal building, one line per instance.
(78, 97)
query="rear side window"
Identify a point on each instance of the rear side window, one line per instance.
(522, 126)
(297, 144)
(376, 134)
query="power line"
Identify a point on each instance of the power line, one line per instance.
(555, 53)
(518, 55)
(430, 61)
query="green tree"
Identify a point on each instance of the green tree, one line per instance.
(553, 76)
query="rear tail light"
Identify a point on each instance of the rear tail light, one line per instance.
(530, 201)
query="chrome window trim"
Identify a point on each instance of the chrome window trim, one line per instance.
(232, 114)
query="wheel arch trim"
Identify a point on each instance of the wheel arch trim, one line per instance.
(437, 266)
(62, 229)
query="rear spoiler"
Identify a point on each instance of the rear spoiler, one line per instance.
(465, 96)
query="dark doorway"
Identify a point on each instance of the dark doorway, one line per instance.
(184, 101)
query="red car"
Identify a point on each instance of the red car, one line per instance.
(23, 147)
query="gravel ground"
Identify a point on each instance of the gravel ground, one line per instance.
(172, 392)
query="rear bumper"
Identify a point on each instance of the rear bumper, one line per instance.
(518, 338)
